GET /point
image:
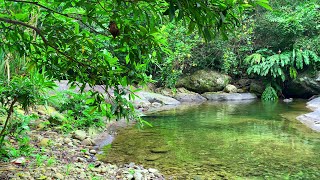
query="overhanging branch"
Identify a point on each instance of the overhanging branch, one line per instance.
(62, 14)
(38, 31)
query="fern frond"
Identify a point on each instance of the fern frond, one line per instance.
(255, 58)
(269, 94)
(305, 55)
(284, 59)
(299, 60)
(293, 72)
(313, 56)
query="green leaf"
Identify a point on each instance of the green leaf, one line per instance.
(264, 4)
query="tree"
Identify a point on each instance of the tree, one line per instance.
(106, 42)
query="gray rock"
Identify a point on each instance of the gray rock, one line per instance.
(204, 81)
(304, 86)
(288, 100)
(66, 140)
(130, 176)
(257, 88)
(156, 104)
(59, 176)
(230, 88)
(190, 97)
(92, 151)
(138, 176)
(312, 120)
(314, 104)
(152, 170)
(154, 97)
(79, 134)
(212, 96)
(87, 142)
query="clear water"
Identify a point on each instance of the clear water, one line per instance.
(225, 140)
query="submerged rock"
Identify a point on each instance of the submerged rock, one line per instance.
(213, 96)
(163, 149)
(152, 157)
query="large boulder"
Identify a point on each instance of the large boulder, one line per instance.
(304, 86)
(213, 96)
(204, 81)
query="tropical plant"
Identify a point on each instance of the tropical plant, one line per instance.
(25, 92)
(269, 94)
(280, 67)
(107, 42)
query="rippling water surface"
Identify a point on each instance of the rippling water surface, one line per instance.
(225, 140)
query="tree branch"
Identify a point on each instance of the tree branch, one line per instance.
(38, 31)
(10, 111)
(62, 14)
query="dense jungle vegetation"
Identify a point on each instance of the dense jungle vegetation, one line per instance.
(121, 43)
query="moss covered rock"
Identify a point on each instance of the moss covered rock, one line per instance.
(204, 81)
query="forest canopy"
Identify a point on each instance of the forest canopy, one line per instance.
(105, 42)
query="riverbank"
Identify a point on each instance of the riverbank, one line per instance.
(312, 119)
(69, 156)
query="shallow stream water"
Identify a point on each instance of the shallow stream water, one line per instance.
(224, 140)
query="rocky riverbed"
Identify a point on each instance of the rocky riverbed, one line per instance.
(69, 156)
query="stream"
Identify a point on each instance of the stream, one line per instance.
(223, 140)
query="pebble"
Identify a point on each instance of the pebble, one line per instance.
(92, 151)
(152, 170)
(59, 176)
(129, 176)
(137, 176)
(87, 142)
(66, 140)
(80, 159)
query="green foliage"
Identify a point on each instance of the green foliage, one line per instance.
(107, 42)
(25, 91)
(281, 65)
(269, 94)
(168, 70)
(287, 25)
(77, 110)
(51, 161)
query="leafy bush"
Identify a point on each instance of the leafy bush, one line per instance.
(281, 65)
(269, 94)
(77, 110)
(25, 91)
